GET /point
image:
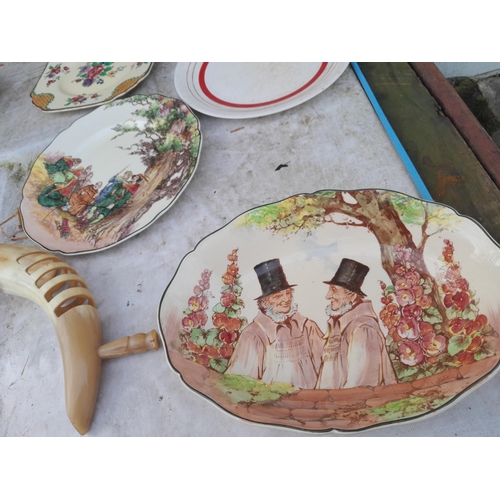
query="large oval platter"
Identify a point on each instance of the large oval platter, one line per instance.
(336, 311)
(111, 174)
(250, 90)
(64, 86)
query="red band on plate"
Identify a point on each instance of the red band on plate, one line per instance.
(209, 94)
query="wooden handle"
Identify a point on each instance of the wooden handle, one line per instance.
(140, 342)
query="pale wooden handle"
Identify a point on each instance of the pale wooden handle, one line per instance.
(140, 342)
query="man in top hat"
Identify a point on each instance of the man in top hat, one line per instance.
(355, 353)
(279, 345)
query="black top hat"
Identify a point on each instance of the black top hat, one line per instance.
(271, 277)
(350, 275)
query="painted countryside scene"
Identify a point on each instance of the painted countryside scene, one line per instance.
(86, 198)
(407, 323)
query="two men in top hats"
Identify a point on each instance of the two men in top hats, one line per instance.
(355, 353)
(279, 345)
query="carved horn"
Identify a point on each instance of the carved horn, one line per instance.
(64, 296)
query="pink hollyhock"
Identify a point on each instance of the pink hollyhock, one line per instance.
(401, 284)
(400, 269)
(197, 290)
(433, 344)
(408, 328)
(424, 301)
(453, 273)
(411, 353)
(449, 287)
(190, 321)
(412, 310)
(413, 278)
(202, 317)
(405, 297)
(232, 269)
(194, 303)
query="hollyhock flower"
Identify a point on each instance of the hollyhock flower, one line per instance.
(433, 344)
(425, 328)
(410, 353)
(194, 303)
(232, 269)
(404, 254)
(466, 358)
(227, 299)
(463, 284)
(417, 290)
(194, 348)
(461, 299)
(412, 310)
(197, 290)
(390, 315)
(228, 279)
(190, 321)
(483, 320)
(226, 351)
(399, 269)
(211, 351)
(449, 287)
(202, 359)
(457, 325)
(475, 344)
(408, 328)
(401, 284)
(424, 301)
(453, 273)
(448, 300)
(412, 278)
(227, 337)
(405, 297)
(202, 317)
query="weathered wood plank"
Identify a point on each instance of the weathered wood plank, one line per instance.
(461, 116)
(450, 170)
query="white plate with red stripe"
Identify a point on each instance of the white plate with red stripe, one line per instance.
(250, 90)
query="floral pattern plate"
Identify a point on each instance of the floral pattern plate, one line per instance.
(111, 174)
(66, 86)
(338, 310)
(249, 90)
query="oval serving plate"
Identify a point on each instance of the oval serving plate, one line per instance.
(338, 310)
(111, 174)
(66, 86)
(250, 90)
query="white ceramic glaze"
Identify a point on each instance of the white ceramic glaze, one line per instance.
(249, 90)
(64, 86)
(433, 285)
(142, 151)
